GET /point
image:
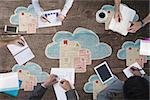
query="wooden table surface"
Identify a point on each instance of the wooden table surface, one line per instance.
(82, 14)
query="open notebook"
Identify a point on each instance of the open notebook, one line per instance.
(63, 73)
(9, 81)
(52, 18)
(127, 17)
(21, 54)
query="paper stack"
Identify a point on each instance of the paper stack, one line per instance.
(145, 47)
(127, 17)
(9, 81)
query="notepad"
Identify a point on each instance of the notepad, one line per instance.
(63, 73)
(127, 17)
(9, 81)
(52, 17)
(13, 93)
(21, 54)
(128, 73)
(145, 47)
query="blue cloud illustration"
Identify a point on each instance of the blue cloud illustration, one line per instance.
(14, 19)
(88, 87)
(121, 54)
(86, 38)
(34, 69)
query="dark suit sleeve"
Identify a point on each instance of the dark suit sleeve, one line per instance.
(72, 95)
(38, 93)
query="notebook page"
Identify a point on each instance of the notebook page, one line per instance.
(14, 49)
(63, 73)
(127, 16)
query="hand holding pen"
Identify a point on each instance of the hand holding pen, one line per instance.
(136, 71)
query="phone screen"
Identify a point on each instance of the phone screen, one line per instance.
(11, 29)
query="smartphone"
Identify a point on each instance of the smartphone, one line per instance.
(11, 29)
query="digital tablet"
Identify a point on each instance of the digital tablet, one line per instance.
(103, 72)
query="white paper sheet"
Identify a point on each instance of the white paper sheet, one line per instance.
(24, 56)
(145, 47)
(127, 71)
(9, 81)
(127, 16)
(52, 17)
(14, 49)
(63, 73)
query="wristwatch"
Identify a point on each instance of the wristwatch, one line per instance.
(142, 75)
(142, 23)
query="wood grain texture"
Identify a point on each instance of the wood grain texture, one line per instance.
(82, 14)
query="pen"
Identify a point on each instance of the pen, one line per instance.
(45, 19)
(135, 69)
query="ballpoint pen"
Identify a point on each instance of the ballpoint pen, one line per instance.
(45, 18)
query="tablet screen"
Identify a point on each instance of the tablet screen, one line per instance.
(103, 72)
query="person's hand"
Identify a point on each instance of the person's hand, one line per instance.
(17, 41)
(135, 71)
(65, 85)
(61, 17)
(118, 16)
(136, 26)
(50, 81)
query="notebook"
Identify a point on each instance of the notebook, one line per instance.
(21, 54)
(127, 71)
(9, 81)
(51, 15)
(127, 16)
(145, 47)
(63, 73)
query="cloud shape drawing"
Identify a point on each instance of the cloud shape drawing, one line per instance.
(14, 19)
(34, 69)
(121, 54)
(88, 87)
(85, 37)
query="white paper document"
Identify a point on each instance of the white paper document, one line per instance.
(21, 54)
(122, 26)
(128, 73)
(51, 17)
(63, 73)
(9, 81)
(145, 47)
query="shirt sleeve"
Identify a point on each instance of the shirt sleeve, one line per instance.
(111, 91)
(37, 7)
(38, 93)
(72, 95)
(67, 6)
(147, 77)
